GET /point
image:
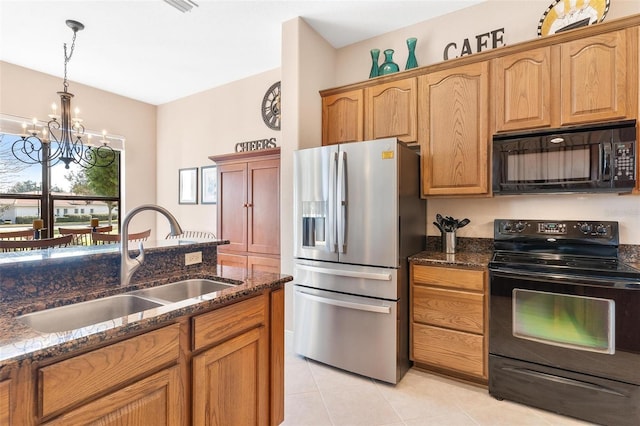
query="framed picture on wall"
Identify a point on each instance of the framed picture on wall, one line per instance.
(209, 185)
(188, 186)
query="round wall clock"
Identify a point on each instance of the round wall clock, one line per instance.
(271, 107)
(564, 15)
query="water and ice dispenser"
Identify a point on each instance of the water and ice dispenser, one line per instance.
(314, 215)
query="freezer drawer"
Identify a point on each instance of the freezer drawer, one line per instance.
(367, 281)
(357, 334)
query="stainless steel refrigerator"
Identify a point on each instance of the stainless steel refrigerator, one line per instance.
(358, 216)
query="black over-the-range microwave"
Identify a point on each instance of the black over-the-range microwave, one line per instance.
(585, 158)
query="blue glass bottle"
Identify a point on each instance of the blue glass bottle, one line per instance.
(412, 62)
(374, 66)
(388, 65)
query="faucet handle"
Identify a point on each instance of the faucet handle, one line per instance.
(140, 257)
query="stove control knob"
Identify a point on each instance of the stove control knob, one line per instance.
(520, 226)
(585, 228)
(507, 227)
(601, 229)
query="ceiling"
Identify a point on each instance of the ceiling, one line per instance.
(149, 51)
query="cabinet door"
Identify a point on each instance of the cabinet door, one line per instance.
(277, 356)
(263, 207)
(229, 260)
(232, 205)
(156, 400)
(452, 129)
(342, 118)
(391, 110)
(5, 402)
(231, 382)
(593, 78)
(523, 90)
(264, 264)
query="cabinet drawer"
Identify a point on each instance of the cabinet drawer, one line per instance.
(229, 321)
(464, 279)
(454, 350)
(76, 379)
(454, 309)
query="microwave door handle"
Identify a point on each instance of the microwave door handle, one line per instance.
(342, 201)
(331, 219)
(605, 171)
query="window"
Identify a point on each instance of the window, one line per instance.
(24, 197)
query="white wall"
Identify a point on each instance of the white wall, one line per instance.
(519, 19)
(208, 123)
(308, 62)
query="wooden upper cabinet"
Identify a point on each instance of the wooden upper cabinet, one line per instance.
(597, 78)
(342, 117)
(522, 87)
(452, 128)
(391, 110)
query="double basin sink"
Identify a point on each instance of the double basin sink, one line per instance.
(83, 314)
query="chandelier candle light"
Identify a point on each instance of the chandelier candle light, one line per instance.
(64, 130)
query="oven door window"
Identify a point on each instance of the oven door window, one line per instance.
(576, 322)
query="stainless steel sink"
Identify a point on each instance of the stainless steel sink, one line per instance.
(84, 314)
(181, 290)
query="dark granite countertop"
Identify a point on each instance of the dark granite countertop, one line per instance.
(471, 253)
(19, 342)
(464, 259)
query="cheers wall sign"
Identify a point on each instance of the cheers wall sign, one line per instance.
(256, 145)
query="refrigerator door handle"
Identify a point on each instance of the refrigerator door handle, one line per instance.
(350, 274)
(345, 304)
(342, 201)
(331, 219)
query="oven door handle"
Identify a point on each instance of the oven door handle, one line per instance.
(563, 380)
(350, 274)
(603, 282)
(345, 304)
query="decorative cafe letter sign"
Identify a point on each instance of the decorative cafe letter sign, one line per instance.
(256, 145)
(481, 43)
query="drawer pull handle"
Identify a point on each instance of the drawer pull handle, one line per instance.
(345, 304)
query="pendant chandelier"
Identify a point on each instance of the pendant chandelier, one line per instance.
(61, 140)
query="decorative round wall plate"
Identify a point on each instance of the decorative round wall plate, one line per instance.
(564, 15)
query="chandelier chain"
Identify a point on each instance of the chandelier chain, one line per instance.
(67, 58)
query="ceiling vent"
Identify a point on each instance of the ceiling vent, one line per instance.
(182, 5)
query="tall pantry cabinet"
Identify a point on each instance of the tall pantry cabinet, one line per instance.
(249, 209)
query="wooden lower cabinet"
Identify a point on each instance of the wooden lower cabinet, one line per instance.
(249, 262)
(230, 382)
(155, 400)
(264, 264)
(449, 320)
(226, 260)
(5, 402)
(222, 367)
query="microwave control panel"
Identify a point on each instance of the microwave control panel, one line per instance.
(624, 160)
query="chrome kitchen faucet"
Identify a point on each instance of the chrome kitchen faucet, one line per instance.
(129, 265)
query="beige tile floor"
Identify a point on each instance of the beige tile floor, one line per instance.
(318, 395)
